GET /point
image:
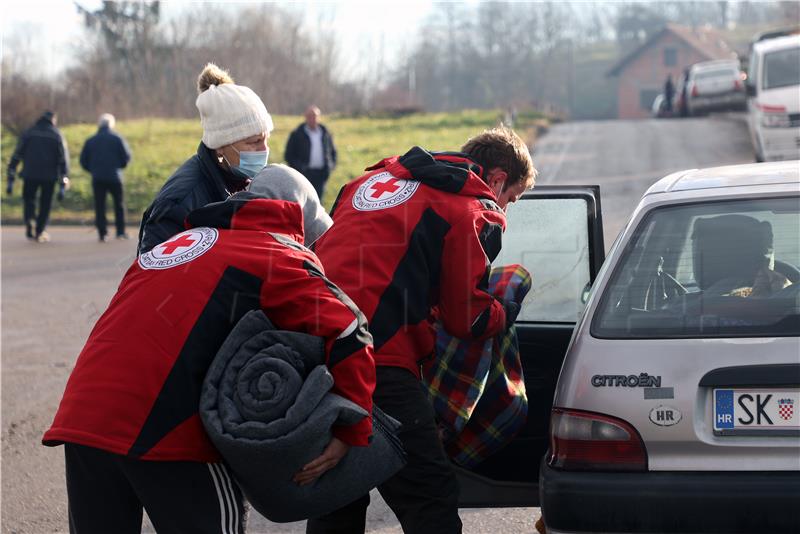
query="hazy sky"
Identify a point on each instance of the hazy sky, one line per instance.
(54, 26)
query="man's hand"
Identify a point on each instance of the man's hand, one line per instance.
(65, 183)
(331, 456)
(10, 187)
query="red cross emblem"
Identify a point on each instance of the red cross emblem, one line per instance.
(379, 188)
(182, 241)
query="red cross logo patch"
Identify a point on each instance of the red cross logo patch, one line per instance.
(382, 191)
(180, 249)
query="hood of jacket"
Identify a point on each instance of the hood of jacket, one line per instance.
(247, 211)
(452, 172)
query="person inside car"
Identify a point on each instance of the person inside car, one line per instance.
(732, 257)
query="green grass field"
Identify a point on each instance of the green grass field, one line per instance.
(160, 146)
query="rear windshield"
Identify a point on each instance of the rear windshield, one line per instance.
(782, 68)
(721, 269)
(718, 73)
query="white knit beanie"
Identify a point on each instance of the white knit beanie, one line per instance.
(230, 113)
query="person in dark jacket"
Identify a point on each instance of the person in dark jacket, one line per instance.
(104, 155)
(129, 417)
(45, 162)
(234, 148)
(412, 242)
(311, 151)
(669, 94)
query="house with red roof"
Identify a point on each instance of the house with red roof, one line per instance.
(643, 71)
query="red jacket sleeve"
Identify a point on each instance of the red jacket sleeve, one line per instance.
(298, 297)
(466, 309)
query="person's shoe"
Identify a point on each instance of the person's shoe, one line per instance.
(102, 239)
(29, 231)
(123, 236)
(540, 528)
(44, 237)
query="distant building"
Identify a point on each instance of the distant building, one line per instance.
(642, 72)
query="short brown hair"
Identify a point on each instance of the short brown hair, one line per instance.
(502, 147)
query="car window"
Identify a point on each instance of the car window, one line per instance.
(550, 238)
(782, 68)
(708, 270)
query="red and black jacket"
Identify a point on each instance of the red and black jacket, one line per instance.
(412, 240)
(136, 385)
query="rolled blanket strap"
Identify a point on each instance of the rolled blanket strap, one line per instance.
(267, 407)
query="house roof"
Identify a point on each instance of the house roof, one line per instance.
(705, 40)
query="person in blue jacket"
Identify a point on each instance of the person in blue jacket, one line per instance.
(104, 155)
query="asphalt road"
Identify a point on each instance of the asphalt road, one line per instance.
(53, 293)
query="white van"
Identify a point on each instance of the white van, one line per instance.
(773, 86)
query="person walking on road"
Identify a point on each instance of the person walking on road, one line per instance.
(234, 148)
(669, 94)
(45, 163)
(129, 415)
(104, 155)
(411, 243)
(311, 151)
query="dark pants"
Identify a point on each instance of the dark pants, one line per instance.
(424, 494)
(29, 190)
(318, 178)
(107, 492)
(101, 189)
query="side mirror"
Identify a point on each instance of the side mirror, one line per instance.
(751, 89)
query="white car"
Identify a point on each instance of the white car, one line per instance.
(677, 406)
(715, 86)
(774, 105)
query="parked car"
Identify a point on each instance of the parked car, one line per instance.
(658, 109)
(715, 86)
(773, 87)
(677, 406)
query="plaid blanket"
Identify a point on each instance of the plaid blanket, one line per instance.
(477, 388)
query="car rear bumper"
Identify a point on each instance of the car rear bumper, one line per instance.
(685, 502)
(716, 102)
(780, 143)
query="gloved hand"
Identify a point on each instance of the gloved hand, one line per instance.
(512, 310)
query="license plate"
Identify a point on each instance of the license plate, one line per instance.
(756, 411)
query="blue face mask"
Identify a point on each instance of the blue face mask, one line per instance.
(250, 163)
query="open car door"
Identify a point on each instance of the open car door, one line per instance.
(556, 233)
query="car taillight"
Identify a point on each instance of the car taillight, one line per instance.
(695, 92)
(586, 441)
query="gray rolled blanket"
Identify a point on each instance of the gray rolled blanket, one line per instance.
(267, 407)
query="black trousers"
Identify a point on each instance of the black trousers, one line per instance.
(318, 178)
(424, 494)
(107, 492)
(101, 189)
(29, 190)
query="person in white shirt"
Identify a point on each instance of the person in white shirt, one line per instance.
(311, 151)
